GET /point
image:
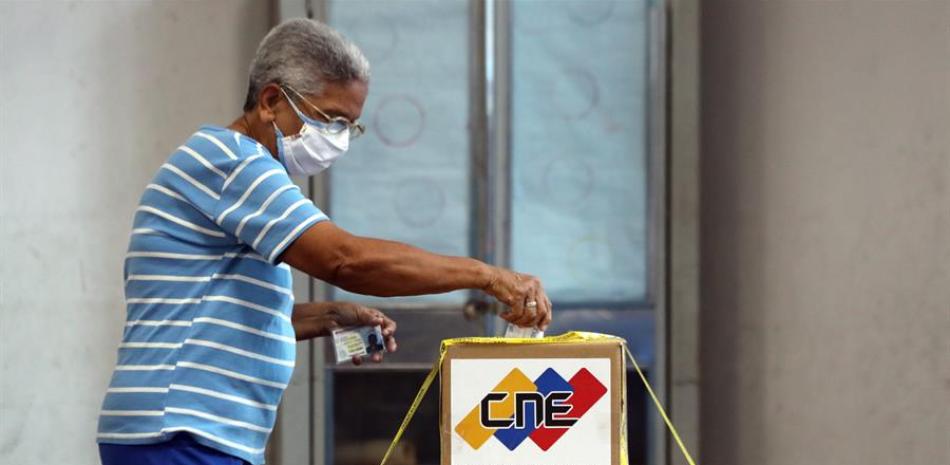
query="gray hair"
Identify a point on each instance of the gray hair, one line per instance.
(304, 54)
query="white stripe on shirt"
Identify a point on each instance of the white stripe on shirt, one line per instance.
(244, 303)
(179, 221)
(159, 300)
(143, 231)
(238, 170)
(149, 345)
(191, 180)
(158, 323)
(256, 282)
(239, 351)
(231, 374)
(240, 227)
(270, 224)
(246, 329)
(202, 160)
(164, 277)
(217, 419)
(251, 255)
(173, 255)
(167, 191)
(247, 193)
(215, 141)
(293, 233)
(221, 395)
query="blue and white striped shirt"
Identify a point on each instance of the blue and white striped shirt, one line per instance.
(208, 346)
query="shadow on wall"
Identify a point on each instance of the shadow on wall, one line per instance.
(734, 42)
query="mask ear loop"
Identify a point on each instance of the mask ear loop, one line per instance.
(279, 142)
(306, 120)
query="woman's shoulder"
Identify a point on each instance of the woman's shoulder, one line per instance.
(226, 143)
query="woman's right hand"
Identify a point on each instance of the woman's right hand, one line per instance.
(524, 295)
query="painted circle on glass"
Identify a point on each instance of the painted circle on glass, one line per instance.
(399, 120)
(586, 13)
(576, 94)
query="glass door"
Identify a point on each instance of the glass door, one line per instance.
(580, 90)
(527, 134)
(411, 178)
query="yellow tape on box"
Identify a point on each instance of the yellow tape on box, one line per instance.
(557, 400)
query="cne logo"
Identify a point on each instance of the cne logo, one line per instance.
(519, 408)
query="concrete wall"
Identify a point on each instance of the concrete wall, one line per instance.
(826, 232)
(93, 97)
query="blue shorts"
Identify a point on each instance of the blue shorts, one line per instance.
(179, 450)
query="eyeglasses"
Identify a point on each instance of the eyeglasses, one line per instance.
(333, 124)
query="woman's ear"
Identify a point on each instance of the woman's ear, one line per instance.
(267, 101)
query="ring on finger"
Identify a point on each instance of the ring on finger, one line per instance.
(531, 304)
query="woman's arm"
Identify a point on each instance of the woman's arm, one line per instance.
(386, 268)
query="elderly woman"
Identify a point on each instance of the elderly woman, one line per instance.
(208, 347)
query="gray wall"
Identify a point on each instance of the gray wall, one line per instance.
(93, 97)
(825, 283)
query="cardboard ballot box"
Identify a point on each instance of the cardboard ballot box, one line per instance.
(551, 401)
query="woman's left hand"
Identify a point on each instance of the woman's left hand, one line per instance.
(317, 319)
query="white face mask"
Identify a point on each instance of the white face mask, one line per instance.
(312, 150)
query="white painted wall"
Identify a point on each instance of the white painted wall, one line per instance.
(826, 232)
(93, 97)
